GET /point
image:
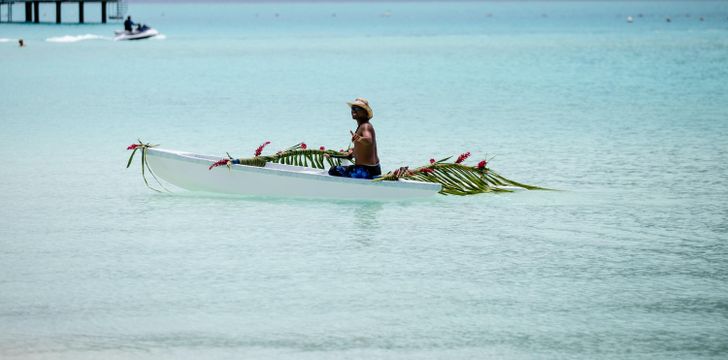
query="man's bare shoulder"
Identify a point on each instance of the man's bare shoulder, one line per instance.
(366, 127)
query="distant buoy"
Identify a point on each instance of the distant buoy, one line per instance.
(702, 19)
(629, 19)
(668, 20)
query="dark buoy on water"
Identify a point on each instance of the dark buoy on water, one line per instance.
(21, 43)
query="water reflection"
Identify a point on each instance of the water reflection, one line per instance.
(366, 222)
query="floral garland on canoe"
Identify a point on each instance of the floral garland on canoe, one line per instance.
(298, 155)
(455, 177)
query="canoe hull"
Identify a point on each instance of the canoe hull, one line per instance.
(190, 171)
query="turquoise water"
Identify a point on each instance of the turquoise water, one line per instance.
(631, 120)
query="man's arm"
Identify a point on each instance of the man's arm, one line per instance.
(348, 154)
(365, 137)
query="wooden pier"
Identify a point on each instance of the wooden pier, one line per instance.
(32, 9)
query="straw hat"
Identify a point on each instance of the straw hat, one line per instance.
(362, 103)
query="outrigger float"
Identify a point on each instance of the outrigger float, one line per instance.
(299, 172)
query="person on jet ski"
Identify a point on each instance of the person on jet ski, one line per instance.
(128, 24)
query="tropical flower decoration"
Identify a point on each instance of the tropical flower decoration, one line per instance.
(298, 155)
(259, 150)
(462, 157)
(220, 162)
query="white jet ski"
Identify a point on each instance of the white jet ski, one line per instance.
(138, 33)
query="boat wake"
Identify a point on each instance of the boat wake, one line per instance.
(159, 37)
(76, 38)
(4, 40)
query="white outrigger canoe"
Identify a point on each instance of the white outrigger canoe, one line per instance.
(190, 171)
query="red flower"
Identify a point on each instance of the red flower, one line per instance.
(259, 150)
(322, 148)
(132, 147)
(432, 161)
(481, 165)
(426, 170)
(341, 150)
(303, 146)
(218, 163)
(462, 157)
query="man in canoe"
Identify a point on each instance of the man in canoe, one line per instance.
(366, 160)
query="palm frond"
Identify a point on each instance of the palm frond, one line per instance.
(457, 179)
(139, 145)
(299, 157)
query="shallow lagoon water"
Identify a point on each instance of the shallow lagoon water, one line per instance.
(629, 120)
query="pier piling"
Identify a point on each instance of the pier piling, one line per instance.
(32, 9)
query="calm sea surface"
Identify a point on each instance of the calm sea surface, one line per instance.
(631, 120)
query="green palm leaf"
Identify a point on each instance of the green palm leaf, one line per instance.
(145, 166)
(458, 179)
(312, 158)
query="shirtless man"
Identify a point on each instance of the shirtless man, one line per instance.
(366, 160)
